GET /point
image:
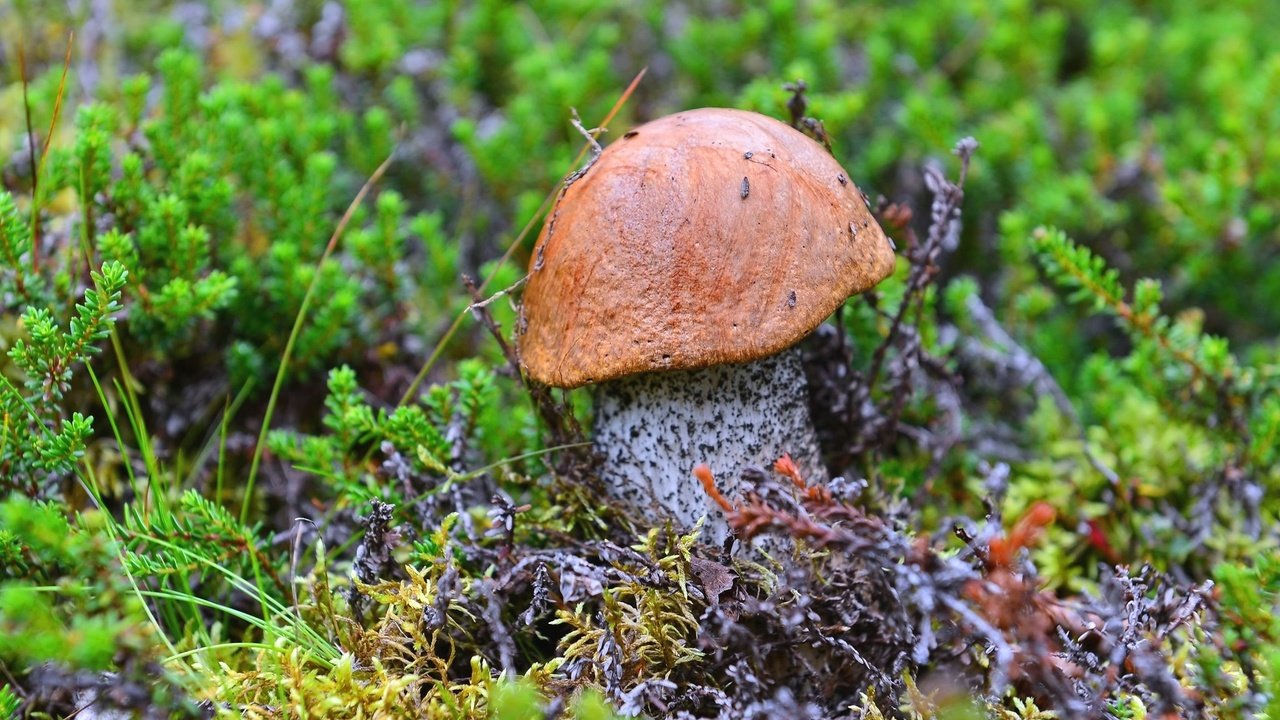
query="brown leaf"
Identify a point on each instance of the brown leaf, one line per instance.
(714, 577)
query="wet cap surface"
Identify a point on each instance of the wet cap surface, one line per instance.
(709, 236)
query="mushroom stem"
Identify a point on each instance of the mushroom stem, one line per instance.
(654, 428)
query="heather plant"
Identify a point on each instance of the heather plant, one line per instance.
(266, 450)
(41, 442)
(70, 613)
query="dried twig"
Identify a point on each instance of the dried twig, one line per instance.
(564, 427)
(1030, 371)
(874, 422)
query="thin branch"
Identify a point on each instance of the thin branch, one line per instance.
(559, 418)
(482, 304)
(1032, 370)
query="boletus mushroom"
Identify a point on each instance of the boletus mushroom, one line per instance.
(678, 273)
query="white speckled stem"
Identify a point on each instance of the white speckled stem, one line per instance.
(655, 428)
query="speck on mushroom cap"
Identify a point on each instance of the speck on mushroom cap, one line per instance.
(705, 237)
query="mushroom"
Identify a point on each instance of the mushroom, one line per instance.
(678, 274)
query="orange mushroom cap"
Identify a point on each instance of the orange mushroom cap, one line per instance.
(705, 237)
